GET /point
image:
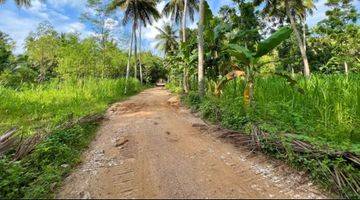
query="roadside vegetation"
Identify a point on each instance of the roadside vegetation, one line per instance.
(256, 67)
(53, 95)
(292, 89)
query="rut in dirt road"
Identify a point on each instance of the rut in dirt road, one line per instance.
(150, 149)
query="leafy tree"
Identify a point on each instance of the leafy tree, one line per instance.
(338, 34)
(101, 23)
(245, 26)
(153, 68)
(41, 47)
(291, 9)
(6, 47)
(228, 14)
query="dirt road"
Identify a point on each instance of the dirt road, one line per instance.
(150, 149)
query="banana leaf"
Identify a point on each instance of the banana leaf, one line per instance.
(241, 53)
(265, 46)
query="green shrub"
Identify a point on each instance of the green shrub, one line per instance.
(173, 88)
(327, 115)
(192, 99)
(40, 173)
(45, 106)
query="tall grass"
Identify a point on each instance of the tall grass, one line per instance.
(328, 110)
(328, 113)
(38, 174)
(45, 106)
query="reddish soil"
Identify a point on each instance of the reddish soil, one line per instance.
(150, 147)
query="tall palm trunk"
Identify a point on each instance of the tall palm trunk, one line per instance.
(304, 32)
(140, 64)
(129, 58)
(201, 80)
(186, 73)
(299, 40)
(184, 21)
(135, 48)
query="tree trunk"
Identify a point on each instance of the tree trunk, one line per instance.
(201, 80)
(129, 59)
(346, 68)
(186, 73)
(248, 94)
(299, 40)
(186, 80)
(130, 54)
(103, 51)
(135, 49)
(140, 64)
(304, 32)
(184, 21)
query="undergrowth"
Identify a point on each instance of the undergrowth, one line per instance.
(39, 174)
(327, 115)
(31, 108)
(46, 106)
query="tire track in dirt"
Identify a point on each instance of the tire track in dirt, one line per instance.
(149, 149)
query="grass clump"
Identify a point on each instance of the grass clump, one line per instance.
(43, 107)
(327, 116)
(40, 173)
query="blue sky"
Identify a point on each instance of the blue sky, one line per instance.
(64, 16)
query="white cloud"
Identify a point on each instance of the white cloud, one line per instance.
(19, 22)
(17, 28)
(111, 24)
(75, 27)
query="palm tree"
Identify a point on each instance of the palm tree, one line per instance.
(139, 12)
(166, 39)
(25, 3)
(201, 49)
(178, 10)
(290, 9)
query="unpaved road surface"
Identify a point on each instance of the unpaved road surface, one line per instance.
(148, 148)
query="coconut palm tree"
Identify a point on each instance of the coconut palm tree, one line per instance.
(179, 10)
(291, 9)
(25, 3)
(201, 49)
(139, 12)
(166, 39)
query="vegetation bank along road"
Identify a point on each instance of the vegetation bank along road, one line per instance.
(148, 148)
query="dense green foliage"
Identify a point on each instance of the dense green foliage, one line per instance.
(326, 116)
(47, 105)
(255, 54)
(67, 57)
(40, 174)
(60, 78)
(254, 62)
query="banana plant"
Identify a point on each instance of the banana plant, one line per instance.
(248, 61)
